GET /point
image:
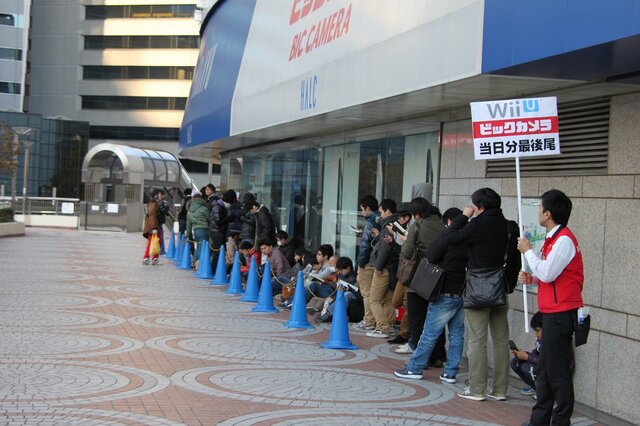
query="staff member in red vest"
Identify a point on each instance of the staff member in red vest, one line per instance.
(560, 277)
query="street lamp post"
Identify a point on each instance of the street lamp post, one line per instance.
(24, 131)
(25, 178)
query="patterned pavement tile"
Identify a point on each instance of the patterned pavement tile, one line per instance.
(93, 337)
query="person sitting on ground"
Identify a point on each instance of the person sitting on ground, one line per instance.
(318, 284)
(279, 264)
(352, 297)
(302, 262)
(246, 253)
(286, 246)
(525, 364)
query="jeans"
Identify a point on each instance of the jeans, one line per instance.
(200, 235)
(445, 311)
(525, 370)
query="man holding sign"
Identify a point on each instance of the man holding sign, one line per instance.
(560, 277)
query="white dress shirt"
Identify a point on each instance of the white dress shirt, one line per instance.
(561, 254)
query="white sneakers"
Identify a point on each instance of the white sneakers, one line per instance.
(404, 349)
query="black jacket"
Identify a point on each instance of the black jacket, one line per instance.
(288, 249)
(266, 227)
(218, 224)
(485, 238)
(386, 255)
(248, 227)
(235, 222)
(453, 259)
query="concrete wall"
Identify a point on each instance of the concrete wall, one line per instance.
(605, 220)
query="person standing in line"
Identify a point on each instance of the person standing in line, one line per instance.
(210, 195)
(152, 224)
(445, 307)
(218, 226)
(384, 259)
(182, 215)
(197, 226)
(265, 228)
(369, 210)
(426, 227)
(487, 242)
(560, 277)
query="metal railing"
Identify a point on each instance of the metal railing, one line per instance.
(43, 205)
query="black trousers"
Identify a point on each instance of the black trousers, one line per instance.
(416, 314)
(554, 383)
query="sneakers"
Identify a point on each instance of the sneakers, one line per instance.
(362, 325)
(397, 340)
(155, 262)
(146, 261)
(466, 394)
(378, 334)
(406, 374)
(528, 391)
(404, 349)
(497, 397)
(447, 378)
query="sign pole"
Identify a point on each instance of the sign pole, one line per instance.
(524, 287)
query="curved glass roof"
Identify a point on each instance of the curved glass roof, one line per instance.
(109, 162)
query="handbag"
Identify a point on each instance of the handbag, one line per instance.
(407, 267)
(428, 276)
(154, 249)
(486, 287)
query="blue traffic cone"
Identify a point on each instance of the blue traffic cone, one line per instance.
(298, 317)
(204, 268)
(251, 291)
(185, 259)
(235, 283)
(265, 297)
(178, 257)
(339, 335)
(221, 269)
(171, 252)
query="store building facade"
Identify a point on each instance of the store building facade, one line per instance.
(313, 104)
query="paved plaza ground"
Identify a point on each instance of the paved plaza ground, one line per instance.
(89, 335)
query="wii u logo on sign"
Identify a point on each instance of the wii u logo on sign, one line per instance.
(203, 70)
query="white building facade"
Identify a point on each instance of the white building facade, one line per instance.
(14, 31)
(123, 66)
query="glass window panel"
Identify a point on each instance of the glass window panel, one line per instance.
(7, 19)
(143, 11)
(140, 42)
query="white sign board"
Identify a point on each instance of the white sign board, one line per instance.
(66, 208)
(112, 208)
(515, 128)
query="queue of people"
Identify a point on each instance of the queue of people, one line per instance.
(396, 236)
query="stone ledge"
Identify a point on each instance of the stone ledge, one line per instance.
(11, 229)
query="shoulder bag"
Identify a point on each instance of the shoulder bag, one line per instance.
(427, 277)
(486, 287)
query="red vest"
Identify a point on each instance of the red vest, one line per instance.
(565, 293)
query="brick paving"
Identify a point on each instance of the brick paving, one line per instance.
(90, 336)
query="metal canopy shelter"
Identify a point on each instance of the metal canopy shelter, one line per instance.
(118, 180)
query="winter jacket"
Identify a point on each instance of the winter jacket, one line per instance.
(248, 227)
(265, 225)
(421, 236)
(453, 259)
(367, 240)
(218, 224)
(235, 222)
(288, 249)
(151, 218)
(197, 215)
(485, 238)
(279, 265)
(385, 255)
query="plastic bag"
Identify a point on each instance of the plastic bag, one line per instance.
(154, 249)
